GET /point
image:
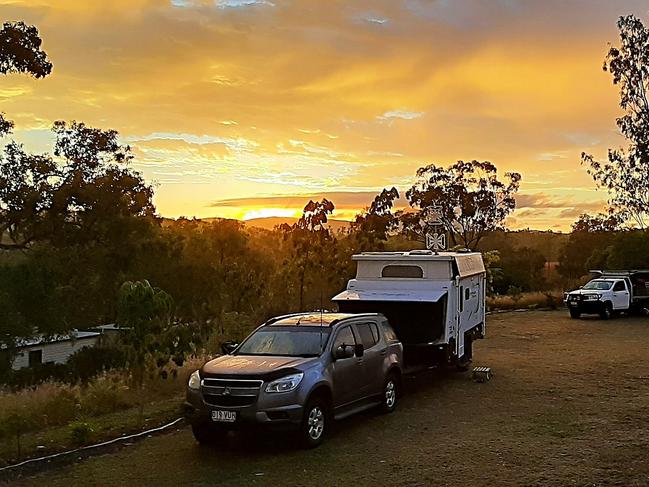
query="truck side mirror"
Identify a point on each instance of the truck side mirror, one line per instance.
(359, 350)
(343, 352)
(228, 347)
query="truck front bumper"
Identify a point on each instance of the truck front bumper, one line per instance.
(587, 307)
(276, 412)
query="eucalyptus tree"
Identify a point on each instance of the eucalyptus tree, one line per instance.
(467, 197)
(625, 173)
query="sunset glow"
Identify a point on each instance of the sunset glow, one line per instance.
(246, 109)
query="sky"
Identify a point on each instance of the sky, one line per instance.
(248, 108)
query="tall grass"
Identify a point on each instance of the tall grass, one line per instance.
(54, 404)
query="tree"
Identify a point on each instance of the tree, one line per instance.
(75, 195)
(587, 245)
(310, 247)
(626, 174)
(373, 225)
(20, 52)
(471, 198)
(145, 314)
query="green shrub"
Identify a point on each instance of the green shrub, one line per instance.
(81, 433)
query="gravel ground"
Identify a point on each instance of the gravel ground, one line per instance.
(568, 406)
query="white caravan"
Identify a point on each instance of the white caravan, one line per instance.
(434, 302)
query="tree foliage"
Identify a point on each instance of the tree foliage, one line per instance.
(20, 52)
(72, 195)
(625, 176)
(145, 313)
(377, 221)
(472, 199)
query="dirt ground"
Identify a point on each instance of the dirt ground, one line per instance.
(569, 405)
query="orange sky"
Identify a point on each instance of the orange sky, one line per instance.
(233, 107)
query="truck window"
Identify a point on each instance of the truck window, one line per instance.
(467, 293)
(344, 338)
(390, 335)
(403, 271)
(619, 286)
(367, 336)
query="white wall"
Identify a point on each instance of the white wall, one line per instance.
(57, 352)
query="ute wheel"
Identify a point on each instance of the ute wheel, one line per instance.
(390, 393)
(314, 423)
(208, 434)
(575, 314)
(606, 312)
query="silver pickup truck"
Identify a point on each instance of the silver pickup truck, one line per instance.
(298, 371)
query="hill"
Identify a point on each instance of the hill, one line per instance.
(271, 222)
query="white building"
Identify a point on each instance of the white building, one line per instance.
(57, 349)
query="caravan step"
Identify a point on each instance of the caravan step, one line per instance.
(482, 374)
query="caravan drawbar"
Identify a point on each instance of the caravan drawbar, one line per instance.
(434, 301)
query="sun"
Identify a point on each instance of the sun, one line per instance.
(269, 212)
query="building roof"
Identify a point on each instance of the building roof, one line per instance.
(43, 340)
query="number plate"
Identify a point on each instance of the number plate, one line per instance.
(573, 303)
(224, 416)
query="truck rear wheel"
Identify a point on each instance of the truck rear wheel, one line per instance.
(390, 393)
(607, 311)
(575, 314)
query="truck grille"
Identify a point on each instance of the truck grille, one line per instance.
(230, 392)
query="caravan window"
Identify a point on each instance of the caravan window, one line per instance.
(403, 271)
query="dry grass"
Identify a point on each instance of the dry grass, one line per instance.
(548, 299)
(51, 405)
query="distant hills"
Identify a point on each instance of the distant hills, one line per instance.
(271, 222)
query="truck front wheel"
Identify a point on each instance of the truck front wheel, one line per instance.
(575, 314)
(607, 311)
(314, 422)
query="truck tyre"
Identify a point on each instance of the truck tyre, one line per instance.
(390, 395)
(575, 314)
(208, 434)
(314, 423)
(607, 311)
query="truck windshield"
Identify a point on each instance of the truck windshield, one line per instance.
(286, 341)
(598, 285)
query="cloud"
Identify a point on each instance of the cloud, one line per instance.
(232, 143)
(402, 114)
(242, 3)
(376, 20)
(342, 199)
(570, 204)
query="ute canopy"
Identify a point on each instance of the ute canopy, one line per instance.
(403, 296)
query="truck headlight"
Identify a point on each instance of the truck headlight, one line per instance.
(285, 384)
(194, 381)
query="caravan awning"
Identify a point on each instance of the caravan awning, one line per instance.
(406, 296)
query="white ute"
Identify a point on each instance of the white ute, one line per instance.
(610, 294)
(434, 302)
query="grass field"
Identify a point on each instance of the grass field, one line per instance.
(567, 406)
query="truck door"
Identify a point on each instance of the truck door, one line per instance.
(621, 296)
(347, 373)
(373, 357)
